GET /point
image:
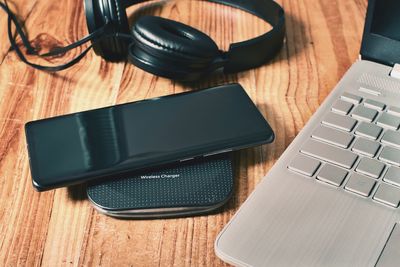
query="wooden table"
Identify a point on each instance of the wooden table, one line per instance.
(60, 227)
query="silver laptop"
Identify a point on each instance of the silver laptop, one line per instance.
(332, 199)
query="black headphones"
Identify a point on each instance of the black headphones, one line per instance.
(165, 47)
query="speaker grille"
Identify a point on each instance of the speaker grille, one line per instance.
(382, 83)
(202, 182)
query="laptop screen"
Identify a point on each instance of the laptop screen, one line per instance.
(386, 18)
(381, 39)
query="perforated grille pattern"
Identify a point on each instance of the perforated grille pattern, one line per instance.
(202, 182)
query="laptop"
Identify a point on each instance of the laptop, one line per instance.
(332, 199)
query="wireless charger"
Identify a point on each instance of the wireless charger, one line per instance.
(188, 188)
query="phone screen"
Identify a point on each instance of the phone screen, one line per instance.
(87, 145)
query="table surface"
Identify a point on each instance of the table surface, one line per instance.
(60, 227)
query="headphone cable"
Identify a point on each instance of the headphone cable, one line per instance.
(106, 31)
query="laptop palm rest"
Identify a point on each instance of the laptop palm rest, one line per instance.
(390, 255)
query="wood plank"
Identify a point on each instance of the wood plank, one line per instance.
(54, 216)
(23, 12)
(60, 227)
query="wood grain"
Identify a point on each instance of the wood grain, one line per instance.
(60, 227)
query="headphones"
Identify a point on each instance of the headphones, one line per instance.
(162, 46)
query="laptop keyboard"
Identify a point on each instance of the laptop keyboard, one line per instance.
(356, 147)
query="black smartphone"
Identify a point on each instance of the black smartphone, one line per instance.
(111, 141)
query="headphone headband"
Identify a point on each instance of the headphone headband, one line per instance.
(259, 50)
(179, 51)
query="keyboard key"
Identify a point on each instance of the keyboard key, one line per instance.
(368, 130)
(339, 121)
(391, 138)
(390, 155)
(370, 167)
(331, 154)
(342, 107)
(388, 195)
(355, 99)
(360, 184)
(393, 176)
(304, 165)
(364, 113)
(374, 104)
(366, 147)
(394, 110)
(369, 91)
(332, 175)
(332, 136)
(389, 121)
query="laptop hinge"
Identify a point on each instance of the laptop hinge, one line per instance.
(395, 73)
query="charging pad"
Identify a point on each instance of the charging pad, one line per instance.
(187, 188)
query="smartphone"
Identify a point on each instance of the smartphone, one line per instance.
(111, 141)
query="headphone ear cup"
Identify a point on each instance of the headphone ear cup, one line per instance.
(171, 49)
(98, 12)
